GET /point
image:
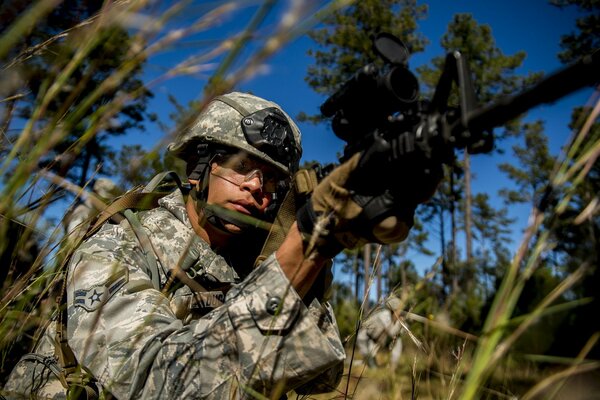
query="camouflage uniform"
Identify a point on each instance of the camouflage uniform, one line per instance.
(139, 342)
(379, 331)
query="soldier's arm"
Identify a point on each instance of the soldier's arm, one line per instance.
(301, 271)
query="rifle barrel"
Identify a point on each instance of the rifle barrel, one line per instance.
(583, 73)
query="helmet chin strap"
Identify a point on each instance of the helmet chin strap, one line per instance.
(218, 216)
(215, 215)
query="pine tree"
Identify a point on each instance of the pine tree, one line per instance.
(345, 43)
(494, 75)
(532, 170)
(586, 37)
(491, 231)
(37, 61)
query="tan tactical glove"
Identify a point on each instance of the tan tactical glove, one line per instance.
(336, 217)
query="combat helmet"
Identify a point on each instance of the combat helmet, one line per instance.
(245, 122)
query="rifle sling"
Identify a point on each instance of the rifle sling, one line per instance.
(304, 182)
(145, 199)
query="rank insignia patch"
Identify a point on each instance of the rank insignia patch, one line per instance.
(91, 299)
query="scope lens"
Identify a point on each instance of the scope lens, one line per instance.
(403, 84)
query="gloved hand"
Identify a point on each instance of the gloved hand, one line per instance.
(338, 217)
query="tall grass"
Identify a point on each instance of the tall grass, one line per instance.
(27, 296)
(472, 366)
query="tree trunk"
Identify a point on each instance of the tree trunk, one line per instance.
(379, 277)
(453, 255)
(468, 235)
(445, 269)
(87, 159)
(403, 279)
(356, 277)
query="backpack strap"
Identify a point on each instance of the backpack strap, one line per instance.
(72, 376)
(146, 244)
(144, 199)
(136, 200)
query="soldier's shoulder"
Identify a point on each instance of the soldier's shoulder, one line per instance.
(113, 242)
(107, 237)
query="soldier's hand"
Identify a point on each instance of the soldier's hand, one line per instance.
(337, 217)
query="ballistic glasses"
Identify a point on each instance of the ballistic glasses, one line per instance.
(240, 168)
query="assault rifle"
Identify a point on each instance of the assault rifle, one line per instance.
(379, 112)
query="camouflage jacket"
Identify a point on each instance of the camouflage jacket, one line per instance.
(141, 342)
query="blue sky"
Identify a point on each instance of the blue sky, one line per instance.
(533, 26)
(530, 25)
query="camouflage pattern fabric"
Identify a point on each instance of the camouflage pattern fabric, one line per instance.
(380, 331)
(142, 342)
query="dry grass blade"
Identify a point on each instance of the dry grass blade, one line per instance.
(458, 370)
(580, 366)
(442, 327)
(491, 347)
(19, 28)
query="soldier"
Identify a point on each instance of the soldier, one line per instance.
(382, 330)
(167, 304)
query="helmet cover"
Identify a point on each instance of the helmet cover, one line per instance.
(245, 122)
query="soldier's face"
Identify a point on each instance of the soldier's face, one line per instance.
(242, 184)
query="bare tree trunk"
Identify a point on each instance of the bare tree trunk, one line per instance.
(453, 256)
(366, 270)
(379, 278)
(403, 279)
(443, 239)
(87, 159)
(468, 217)
(453, 251)
(389, 272)
(356, 277)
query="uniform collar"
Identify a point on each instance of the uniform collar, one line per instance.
(198, 258)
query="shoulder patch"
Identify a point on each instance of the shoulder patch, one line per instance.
(91, 299)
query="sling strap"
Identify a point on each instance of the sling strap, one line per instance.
(74, 379)
(144, 199)
(305, 180)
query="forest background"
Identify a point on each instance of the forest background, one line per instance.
(86, 95)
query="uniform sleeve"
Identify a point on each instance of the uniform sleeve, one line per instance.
(262, 340)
